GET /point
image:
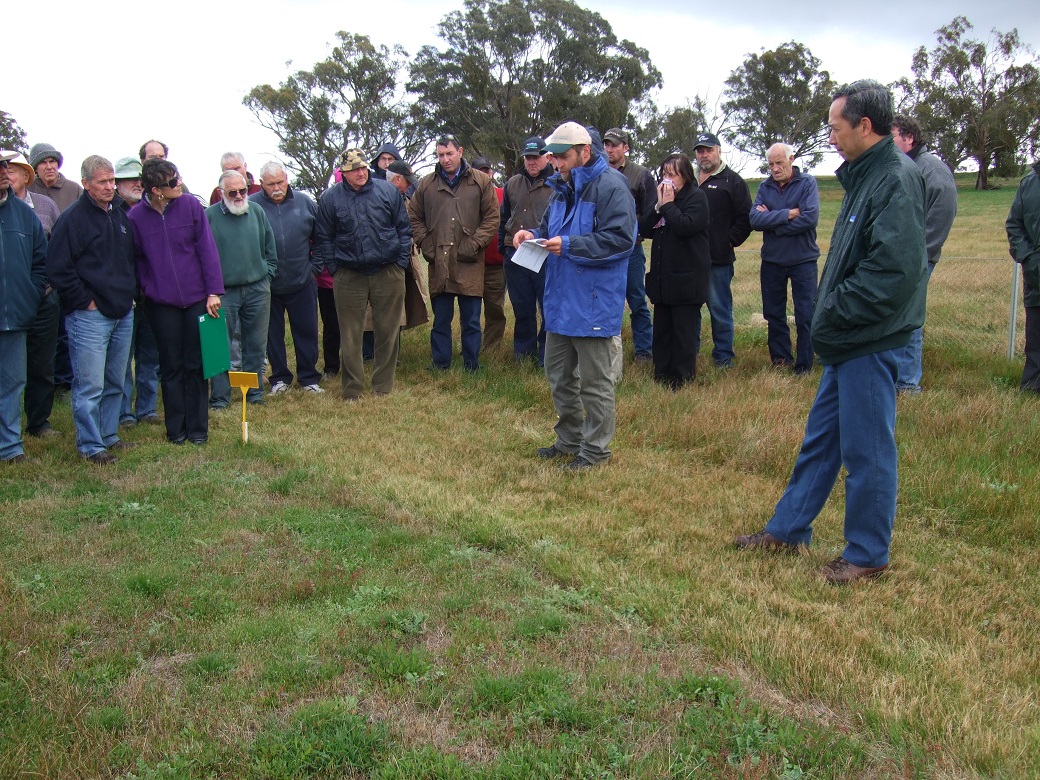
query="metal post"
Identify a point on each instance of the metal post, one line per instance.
(1014, 313)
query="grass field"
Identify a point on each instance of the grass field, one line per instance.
(397, 588)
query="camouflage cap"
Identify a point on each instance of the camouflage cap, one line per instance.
(351, 160)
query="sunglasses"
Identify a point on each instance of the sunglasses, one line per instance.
(5, 164)
(172, 182)
(236, 193)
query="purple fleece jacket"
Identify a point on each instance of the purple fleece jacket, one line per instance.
(177, 261)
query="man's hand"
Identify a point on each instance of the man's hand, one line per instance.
(91, 306)
(520, 237)
(793, 213)
(554, 245)
(761, 207)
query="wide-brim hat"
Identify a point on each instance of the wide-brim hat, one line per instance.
(17, 158)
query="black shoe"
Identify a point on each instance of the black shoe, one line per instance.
(198, 442)
(102, 458)
(552, 451)
(122, 445)
(581, 464)
(45, 433)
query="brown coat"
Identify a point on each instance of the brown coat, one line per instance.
(452, 228)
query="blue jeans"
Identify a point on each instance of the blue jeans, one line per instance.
(803, 278)
(247, 309)
(99, 348)
(526, 292)
(12, 385)
(440, 334)
(635, 294)
(144, 362)
(909, 358)
(852, 424)
(720, 308)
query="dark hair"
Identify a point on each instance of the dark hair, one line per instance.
(682, 164)
(870, 99)
(448, 140)
(909, 126)
(165, 148)
(156, 172)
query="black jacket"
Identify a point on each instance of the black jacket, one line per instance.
(90, 257)
(680, 260)
(729, 201)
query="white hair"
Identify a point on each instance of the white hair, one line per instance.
(229, 174)
(232, 157)
(787, 149)
(271, 168)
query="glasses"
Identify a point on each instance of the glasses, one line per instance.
(5, 163)
(172, 182)
(236, 193)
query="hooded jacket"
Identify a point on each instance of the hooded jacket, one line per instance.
(873, 287)
(90, 257)
(23, 253)
(595, 215)
(176, 257)
(453, 226)
(1023, 231)
(375, 170)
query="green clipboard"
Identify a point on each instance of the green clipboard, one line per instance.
(216, 350)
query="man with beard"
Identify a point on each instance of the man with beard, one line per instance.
(729, 206)
(144, 354)
(454, 216)
(46, 160)
(248, 262)
(293, 289)
(23, 250)
(589, 229)
(233, 161)
(90, 261)
(42, 338)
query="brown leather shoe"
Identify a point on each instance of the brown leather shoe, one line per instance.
(21, 457)
(841, 572)
(764, 540)
(102, 458)
(119, 444)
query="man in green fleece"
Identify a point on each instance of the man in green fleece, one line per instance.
(871, 299)
(248, 261)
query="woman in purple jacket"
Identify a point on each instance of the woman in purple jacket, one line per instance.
(178, 270)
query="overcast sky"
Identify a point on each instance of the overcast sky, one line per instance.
(101, 78)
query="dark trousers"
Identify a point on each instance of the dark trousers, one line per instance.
(184, 391)
(440, 333)
(303, 322)
(329, 330)
(676, 342)
(1031, 372)
(39, 382)
(526, 291)
(803, 279)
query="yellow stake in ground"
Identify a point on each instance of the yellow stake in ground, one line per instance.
(244, 380)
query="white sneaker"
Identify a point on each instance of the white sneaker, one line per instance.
(311, 389)
(279, 387)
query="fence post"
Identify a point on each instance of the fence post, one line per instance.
(1014, 313)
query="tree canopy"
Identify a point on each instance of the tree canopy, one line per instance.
(11, 135)
(353, 98)
(979, 100)
(779, 95)
(517, 68)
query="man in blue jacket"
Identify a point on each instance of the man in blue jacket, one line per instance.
(90, 262)
(872, 297)
(786, 210)
(23, 249)
(589, 228)
(364, 238)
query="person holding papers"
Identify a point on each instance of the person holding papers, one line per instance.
(680, 269)
(589, 229)
(178, 270)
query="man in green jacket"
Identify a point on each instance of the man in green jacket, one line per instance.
(871, 298)
(1023, 230)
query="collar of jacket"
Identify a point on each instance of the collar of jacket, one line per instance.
(851, 173)
(463, 170)
(263, 194)
(543, 174)
(85, 197)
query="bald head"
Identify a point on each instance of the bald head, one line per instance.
(780, 159)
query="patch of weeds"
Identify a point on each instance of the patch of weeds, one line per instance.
(294, 482)
(322, 740)
(34, 584)
(408, 622)
(425, 764)
(299, 673)
(211, 665)
(112, 719)
(539, 623)
(149, 585)
(469, 553)
(568, 598)
(205, 604)
(391, 663)
(136, 509)
(536, 697)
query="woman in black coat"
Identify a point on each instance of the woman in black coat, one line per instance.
(680, 264)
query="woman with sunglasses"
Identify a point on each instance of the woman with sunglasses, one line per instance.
(178, 270)
(680, 263)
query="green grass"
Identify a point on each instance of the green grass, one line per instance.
(397, 588)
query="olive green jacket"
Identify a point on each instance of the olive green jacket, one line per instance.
(872, 291)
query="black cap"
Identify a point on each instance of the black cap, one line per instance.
(707, 139)
(402, 168)
(534, 146)
(616, 136)
(481, 162)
